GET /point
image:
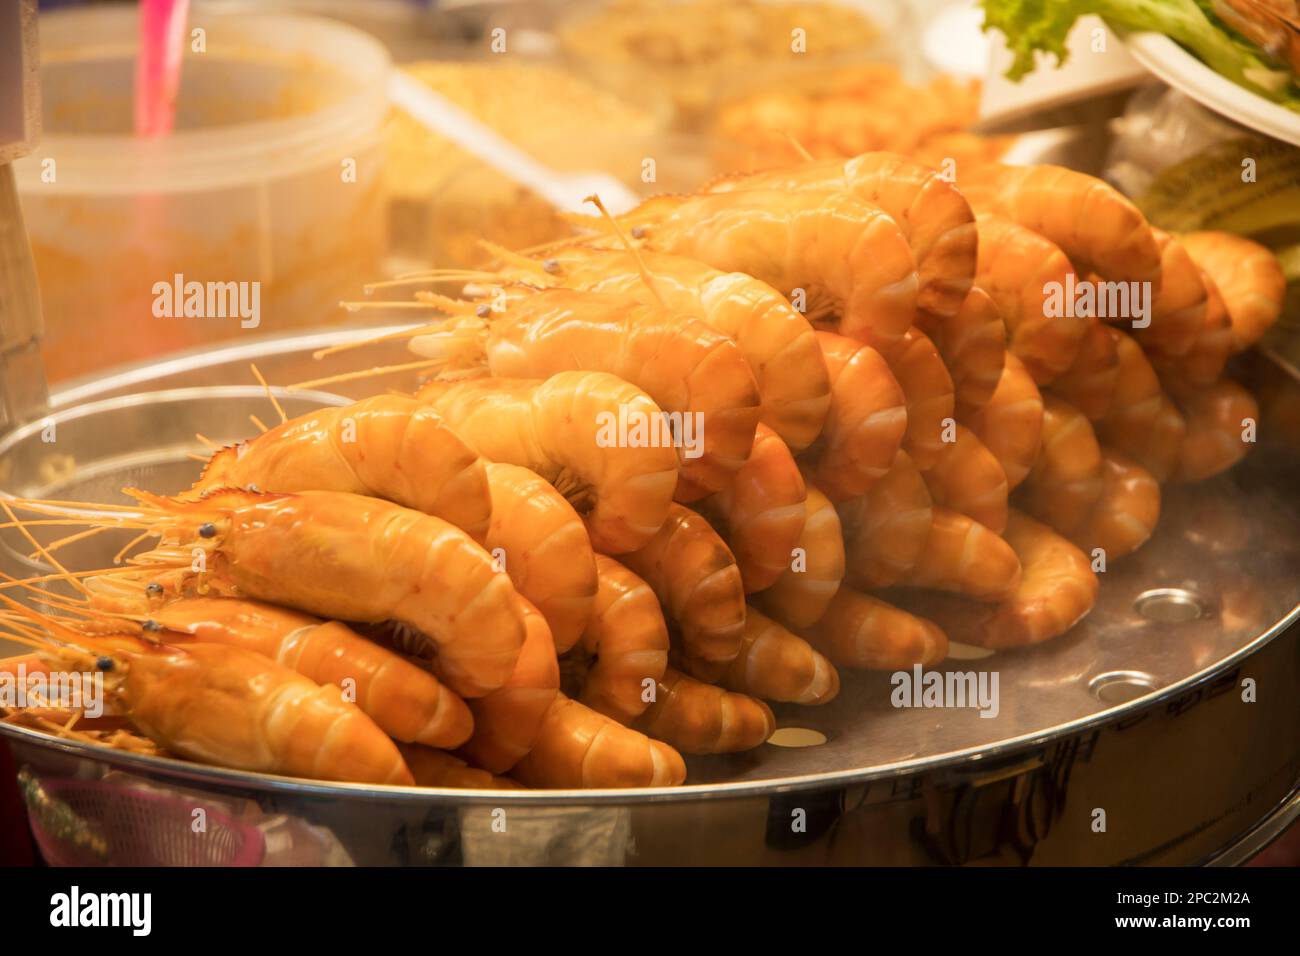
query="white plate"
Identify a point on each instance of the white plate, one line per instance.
(1171, 63)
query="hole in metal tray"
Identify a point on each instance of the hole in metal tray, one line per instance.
(1170, 605)
(1118, 687)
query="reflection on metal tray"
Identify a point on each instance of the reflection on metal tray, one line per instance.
(1138, 712)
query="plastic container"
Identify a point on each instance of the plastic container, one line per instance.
(270, 181)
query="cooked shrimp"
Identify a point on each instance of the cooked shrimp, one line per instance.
(933, 214)
(405, 701)
(695, 374)
(693, 573)
(928, 390)
(804, 589)
(542, 544)
(974, 347)
(508, 719)
(761, 514)
(1248, 276)
(1125, 516)
(1089, 383)
(389, 446)
(775, 338)
(1017, 268)
(625, 643)
(579, 747)
(1011, 424)
(848, 256)
(1066, 481)
(968, 479)
(226, 705)
(566, 429)
(885, 531)
(1204, 361)
(1216, 421)
(777, 665)
(867, 419)
(1056, 591)
(864, 632)
(1138, 410)
(963, 556)
(434, 768)
(1096, 226)
(1178, 307)
(698, 718)
(347, 557)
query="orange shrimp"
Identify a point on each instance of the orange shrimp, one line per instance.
(1056, 591)
(1089, 384)
(567, 430)
(847, 256)
(1096, 226)
(1011, 424)
(626, 643)
(1018, 268)
(1142, 422)
(1204, 361)
(508, 720)
(579, 747)
(804, 589)
(1249, 277)
(934, 216)
(1178, 308)
(968, 479)
(776, 339)
(434, 768)
(885, 531)
(542, 544)
(695, 374)
(347, 557)
(1066, 481)
(761, 515)
(698, 718)
(1125, 516)
(777, 665)
(864, 632)
(974, 347)
(928, 390)
(867, 419)
(1217, 419)
(405, 701)
(693, 573)
(225, 705)
(963, 556)
(388, 446)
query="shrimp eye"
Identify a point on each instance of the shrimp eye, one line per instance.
(482, 311)
(151, 626)
(551, 266)
(638, 232)
(207, 530)
(104, 663)
(153, 587)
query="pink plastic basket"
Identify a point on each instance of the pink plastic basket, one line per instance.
(145, 828)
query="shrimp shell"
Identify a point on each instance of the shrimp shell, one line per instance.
(928, 390)
(968, 479)
(434, 768)
(544, 548)
(1089, 383)
(800, 596)
(1016, 268)
(885, 531)
(555, 428)
(698, 718)
(628, 638)
(1249, 277)
(1178, 309)
(867, 419)
(579, 747)
(694, 575)
(388, 446)
(1125, 516)
(1089, 220)
(1214, 438)
(1011, 424)
(861, 631)
(761, 515)
(963, 556)
(974, 347)
(828, 244)
(1142, 422)
(1066, 481)
(1203, 364)
(777, 665)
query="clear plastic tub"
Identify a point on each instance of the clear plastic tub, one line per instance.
(270, 181)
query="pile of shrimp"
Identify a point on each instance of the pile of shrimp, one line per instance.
(689, 464)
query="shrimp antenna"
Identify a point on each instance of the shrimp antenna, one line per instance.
(429, 275)
(798, 147)
(257, 373)
(640, 262)
(515, 258)
(204, 439)
(44, 553)
(258, 423)
(72, 538)
(367, 373)
(407, 333)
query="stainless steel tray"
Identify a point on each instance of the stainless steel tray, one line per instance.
(1138, 713)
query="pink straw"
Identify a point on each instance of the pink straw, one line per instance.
(158, 65)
